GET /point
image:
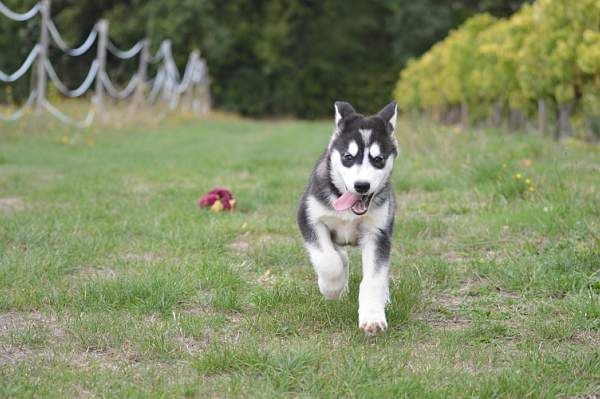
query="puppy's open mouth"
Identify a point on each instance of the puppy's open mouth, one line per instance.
(359, 204)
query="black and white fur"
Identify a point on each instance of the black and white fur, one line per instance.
(359, 157)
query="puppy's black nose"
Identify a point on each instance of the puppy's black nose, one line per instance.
(362, 187)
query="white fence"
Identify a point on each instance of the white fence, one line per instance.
(167, 85)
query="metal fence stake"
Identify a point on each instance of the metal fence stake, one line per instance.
(42, 56)
(101, 57)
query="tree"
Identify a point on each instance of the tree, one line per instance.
(548, 52)
(268, 57)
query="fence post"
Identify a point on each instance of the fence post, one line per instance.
(198, 94)
(42, 56)
(101, 57)
(188, 94)
(169, 93)
(142, 72)
(194, 102)
(206, 101)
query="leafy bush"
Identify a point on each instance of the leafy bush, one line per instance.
(545, 56)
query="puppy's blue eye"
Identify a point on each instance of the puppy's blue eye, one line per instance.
(348, 157)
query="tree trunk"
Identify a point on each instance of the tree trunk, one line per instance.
(516, 119)
(542, 116)
(464, 114)
(436, 114)
(563, 123)
(496, 114)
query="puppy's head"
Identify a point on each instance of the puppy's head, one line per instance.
(362, 151)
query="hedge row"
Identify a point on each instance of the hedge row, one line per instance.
(541, 65)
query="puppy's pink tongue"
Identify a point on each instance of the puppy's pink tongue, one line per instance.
(345, 201)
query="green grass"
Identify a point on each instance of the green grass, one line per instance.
(114, 284)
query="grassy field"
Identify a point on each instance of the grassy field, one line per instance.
(114, 284)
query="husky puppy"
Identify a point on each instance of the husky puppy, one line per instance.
(349, 201)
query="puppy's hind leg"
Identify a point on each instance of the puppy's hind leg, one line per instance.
(330, 265)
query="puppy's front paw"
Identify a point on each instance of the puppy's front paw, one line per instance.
(332, 289)
(372, 322)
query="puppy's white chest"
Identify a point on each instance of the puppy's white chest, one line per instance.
(343, 231)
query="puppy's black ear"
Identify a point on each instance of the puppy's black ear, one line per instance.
(389, 113)
(342, 110)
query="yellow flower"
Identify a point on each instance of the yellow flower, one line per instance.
(518, 176)
(531, 189)
(528, 181)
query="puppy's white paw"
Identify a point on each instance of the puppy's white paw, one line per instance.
(372, 322)
(332, 289)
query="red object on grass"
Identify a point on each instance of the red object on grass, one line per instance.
(212, 196)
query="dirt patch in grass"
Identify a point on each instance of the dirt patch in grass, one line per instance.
(453, 257)
(94, 273)
(241, 245)
(246, 242)
(443, 313)
(207, 333)
(209, 336)
(145, 257)
(440, 320)
(191, 345)
(267, 279)
(337, 339)
(452, 302)
(14, 355)
(11, 321)
(591, 338)
(111, 359)
(25, 335)
(444, 310)
(10, 205)
(205, 310)
(589, 396)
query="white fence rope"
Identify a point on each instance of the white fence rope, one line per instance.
(87, 122)
(167, 83)
(124, 54)
(23, 68)
(78, 92)
(188, 75)
(18, 114)
(200, 71)
(116, 93)
(157, 86)
(20, 17)
(160, 53)
(74, 52)
(170, 62)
